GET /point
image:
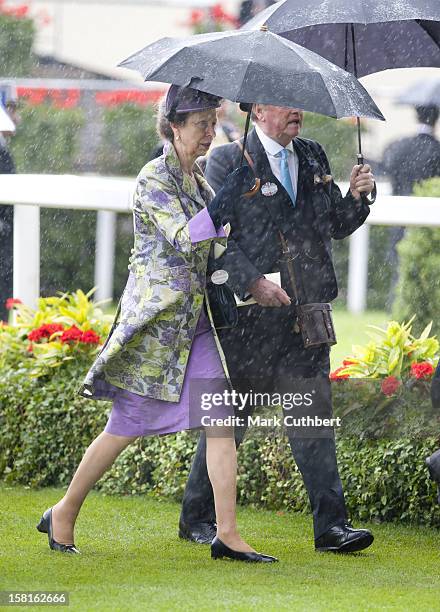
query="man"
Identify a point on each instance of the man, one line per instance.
(8, 98)
(415, 158)
(297, 195)
(408, 161)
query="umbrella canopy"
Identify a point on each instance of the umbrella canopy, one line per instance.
(6, 123)
(422, 93)
(361, 36)
(255, 67)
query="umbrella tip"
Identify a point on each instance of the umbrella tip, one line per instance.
(264, 28)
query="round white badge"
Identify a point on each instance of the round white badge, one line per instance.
(269, 189)
(219, 277)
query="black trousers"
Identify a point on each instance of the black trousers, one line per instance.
(264, 354)
(6, 257)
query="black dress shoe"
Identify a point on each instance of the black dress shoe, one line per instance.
(433, 463)
(220, 550)
(45, 526)
(344, 539)
(200, 533)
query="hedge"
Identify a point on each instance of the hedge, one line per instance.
(128, 138)
(47, 139)
(419, 264)
(45, 428)
(16, 39)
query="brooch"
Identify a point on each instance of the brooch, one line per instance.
(219, 277)
(324, 178)
(269, 189)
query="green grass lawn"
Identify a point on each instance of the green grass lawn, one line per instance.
(350, 329)
(132, 560)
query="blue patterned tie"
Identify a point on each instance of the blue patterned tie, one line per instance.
(286, 179)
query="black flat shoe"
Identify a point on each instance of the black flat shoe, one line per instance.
(344, 539)
(220, 550)
(45, 526)
(200, 533)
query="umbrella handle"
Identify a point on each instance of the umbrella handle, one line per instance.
(370, 199)
(373, 195)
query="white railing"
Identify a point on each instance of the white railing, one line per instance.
(29, 192)
(109, 196)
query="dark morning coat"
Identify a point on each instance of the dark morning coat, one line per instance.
(321, 213)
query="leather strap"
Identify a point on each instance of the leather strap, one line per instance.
(289, 264)
(246, 154)
(256, 187)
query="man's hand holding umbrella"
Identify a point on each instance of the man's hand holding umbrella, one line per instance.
(361, 181)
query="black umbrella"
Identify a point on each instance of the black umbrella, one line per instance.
(361, 36)
(255, 67)
(422, 93)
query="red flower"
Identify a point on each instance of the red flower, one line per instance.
(196, 17)
(73, 334)
(44, 331)
(389, 385)
(348, 362)
(337, 376)
(19, 12)
(10, 302)
(30, 348)
(114, 98)
(90, 337)
(422, 370)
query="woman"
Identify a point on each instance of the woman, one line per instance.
(162, 338)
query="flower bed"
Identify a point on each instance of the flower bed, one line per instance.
(64, 328)
(383, 389)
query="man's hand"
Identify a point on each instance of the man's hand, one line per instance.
(267, 293)
(361, 181)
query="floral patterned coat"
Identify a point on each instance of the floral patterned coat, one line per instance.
(148, 348)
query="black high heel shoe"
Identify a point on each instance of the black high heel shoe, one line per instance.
(45, 526)
(220, 550)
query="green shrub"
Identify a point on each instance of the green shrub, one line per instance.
(418, 289)
(45, 426)
(128, 139)
(16, 39)
(67, 254)
(47, 139)
(338, 139)
(379, 268)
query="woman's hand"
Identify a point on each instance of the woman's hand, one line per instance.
(236, 184)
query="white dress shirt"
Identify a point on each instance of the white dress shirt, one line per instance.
(273, 148)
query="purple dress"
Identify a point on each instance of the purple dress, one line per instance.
(138, 415)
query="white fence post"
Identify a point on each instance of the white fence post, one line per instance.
(105, 254)
(358, 270)
(27, 254)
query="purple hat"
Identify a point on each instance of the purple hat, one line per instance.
(188, 100)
